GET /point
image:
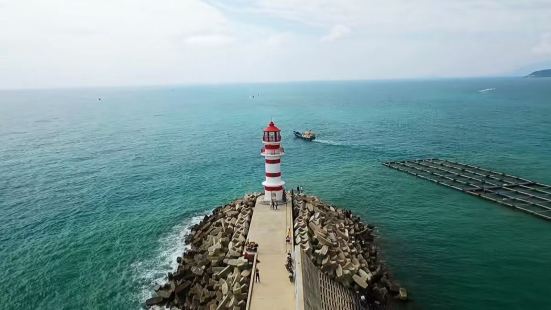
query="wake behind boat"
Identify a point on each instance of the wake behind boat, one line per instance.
(308, 135)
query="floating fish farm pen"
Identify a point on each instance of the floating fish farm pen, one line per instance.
(508, 190)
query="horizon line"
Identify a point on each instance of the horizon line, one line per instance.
(188, 84)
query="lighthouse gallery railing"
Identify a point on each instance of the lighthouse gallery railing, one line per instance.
(272, 152)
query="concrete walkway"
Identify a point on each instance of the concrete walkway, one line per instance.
(269, 229)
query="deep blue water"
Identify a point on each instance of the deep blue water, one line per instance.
(95, 196)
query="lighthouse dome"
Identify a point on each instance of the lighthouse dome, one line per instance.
(271, 134)
(272, 127)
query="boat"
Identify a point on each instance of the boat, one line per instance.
(308, 135)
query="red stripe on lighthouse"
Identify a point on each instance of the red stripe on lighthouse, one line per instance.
(273, 188)
(272, 147)
(273, 174)
(273, 161)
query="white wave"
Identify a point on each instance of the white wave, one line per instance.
(486, 90)
(151, 273)
(330, 142)
(337, 143)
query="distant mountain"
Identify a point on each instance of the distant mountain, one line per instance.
(540, 73)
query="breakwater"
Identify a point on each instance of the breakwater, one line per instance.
(342, 247)
(333, 254)
(212, 274)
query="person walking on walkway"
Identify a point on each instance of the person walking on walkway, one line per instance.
(257, 275)
(272, 200)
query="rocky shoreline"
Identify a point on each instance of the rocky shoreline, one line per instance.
(212, 274)
(342, 246)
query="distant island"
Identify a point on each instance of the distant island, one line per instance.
(540, 73)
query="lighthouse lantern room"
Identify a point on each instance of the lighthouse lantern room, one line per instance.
(272, 152)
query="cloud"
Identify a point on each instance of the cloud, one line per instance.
(543, 47)
(336, 33)
(107, 42)
(209, 40)
(404, 16)
(59, 43)
(278, 39)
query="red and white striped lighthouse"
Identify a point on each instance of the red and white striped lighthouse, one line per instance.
(272, 152)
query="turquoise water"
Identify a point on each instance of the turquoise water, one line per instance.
(96, 195)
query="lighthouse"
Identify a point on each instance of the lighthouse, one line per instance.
(272, 152)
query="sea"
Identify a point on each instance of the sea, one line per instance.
(99, 186)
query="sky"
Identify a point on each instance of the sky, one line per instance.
(75, 43)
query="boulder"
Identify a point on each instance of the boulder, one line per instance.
(231, 302)
(224, 271)
(403, 294)
(366, 276)
(223, 302)
(323, 251)
(360, 281)
(165, 293)
(154, 301)
(236, 289)
(224, 286)
(339, 272)
(197, 271)
(245, 273)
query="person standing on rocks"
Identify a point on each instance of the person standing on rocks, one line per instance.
(363, 302)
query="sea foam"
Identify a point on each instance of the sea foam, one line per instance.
(152, 272)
